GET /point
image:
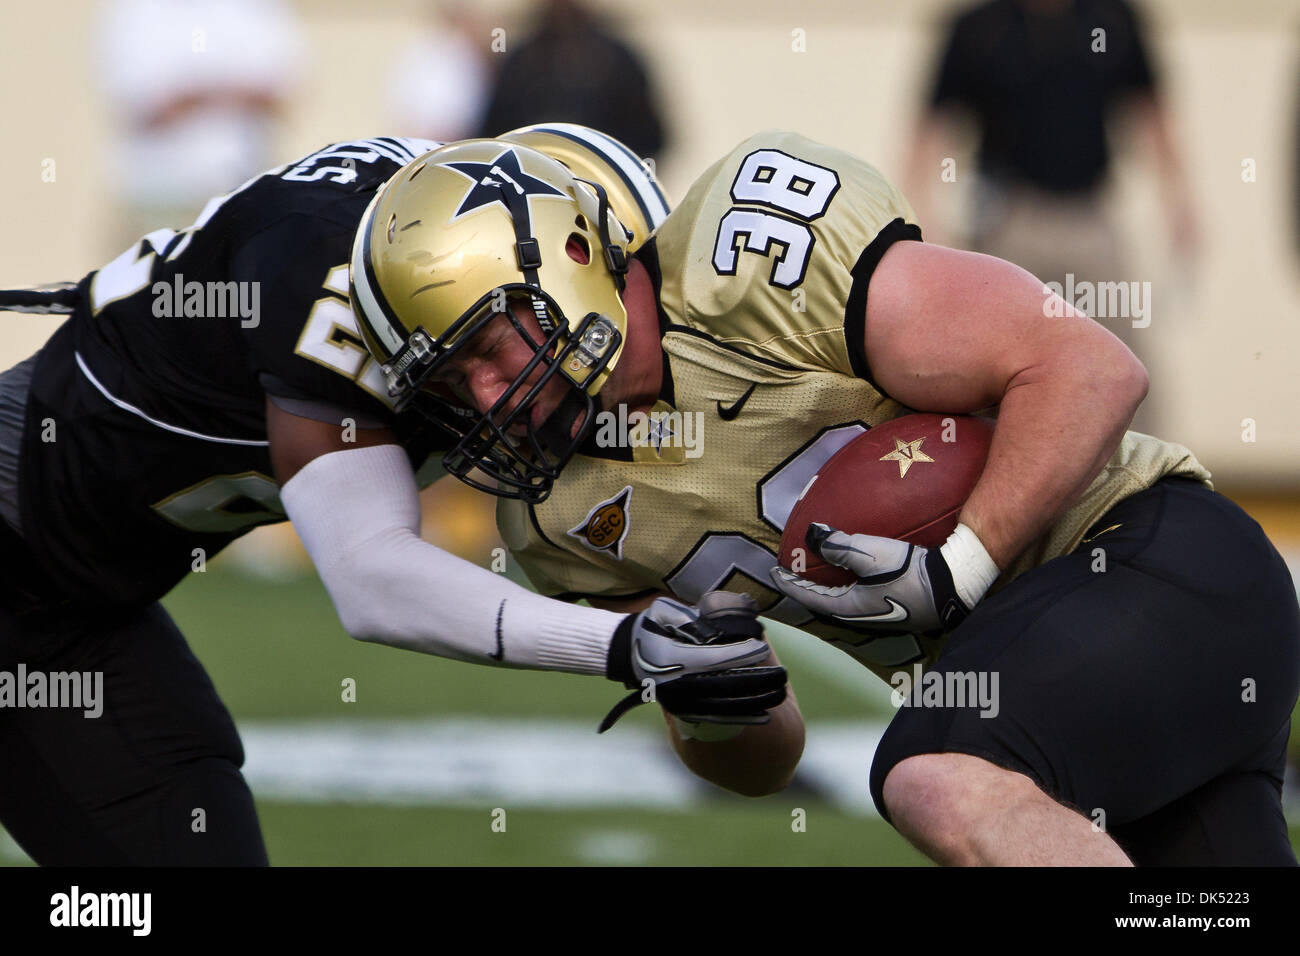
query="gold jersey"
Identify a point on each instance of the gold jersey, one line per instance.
(763, 273)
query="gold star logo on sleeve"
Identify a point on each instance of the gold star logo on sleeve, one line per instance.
(907, 454)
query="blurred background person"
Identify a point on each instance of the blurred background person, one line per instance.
(439, 85)
(1042, 79)
(197, 87)
(574, 69)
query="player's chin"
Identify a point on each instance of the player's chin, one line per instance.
(583, 422)
(546, 417)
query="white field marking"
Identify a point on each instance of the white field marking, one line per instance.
(836, 762)
(828, 662)
(11, 851)
(614, 847)
(466, 761)
(481, 762)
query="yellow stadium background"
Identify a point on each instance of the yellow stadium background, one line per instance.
(1229, 338)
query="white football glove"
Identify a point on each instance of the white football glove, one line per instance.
(900, 587)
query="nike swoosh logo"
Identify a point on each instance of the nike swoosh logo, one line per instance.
(500, 652)
(896, 613)
(849, 549)
(729, 412)
(1101, 532)
(645, 665)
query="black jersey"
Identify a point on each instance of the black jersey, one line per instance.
(145, 445)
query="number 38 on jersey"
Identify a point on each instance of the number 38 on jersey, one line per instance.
(776, 196)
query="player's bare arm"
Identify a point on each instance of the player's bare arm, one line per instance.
(754, 760)
(295, 441)
(952, 331)
(957, 331)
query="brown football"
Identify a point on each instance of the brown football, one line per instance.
(906, 478)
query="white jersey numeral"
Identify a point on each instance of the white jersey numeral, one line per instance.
(332, 338)
(338, 163)
(202, 507)
(798, 190)
(128, 273)
(719, 557)
(769, 177)
(759, 231)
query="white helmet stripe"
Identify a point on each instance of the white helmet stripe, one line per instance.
(366, 302)
(625, 162)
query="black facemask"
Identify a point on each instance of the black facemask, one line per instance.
(526, 464)
(525, 467)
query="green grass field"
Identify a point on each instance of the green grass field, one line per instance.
(757, 833)
(276, 652)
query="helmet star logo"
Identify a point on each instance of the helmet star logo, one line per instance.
(490, 178)
(907, 454)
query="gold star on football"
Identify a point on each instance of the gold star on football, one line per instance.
(907, 454)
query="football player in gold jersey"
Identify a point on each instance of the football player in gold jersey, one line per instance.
(649, 423)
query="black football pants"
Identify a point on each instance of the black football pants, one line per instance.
(1147, 680)
(154, 780)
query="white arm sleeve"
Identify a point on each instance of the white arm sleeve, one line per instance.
(358, 514)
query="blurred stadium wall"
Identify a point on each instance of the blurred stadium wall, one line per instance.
(1229, 335)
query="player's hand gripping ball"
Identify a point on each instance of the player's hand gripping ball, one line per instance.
(862, 545)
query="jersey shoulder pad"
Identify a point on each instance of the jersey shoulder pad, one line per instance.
(348, 162)
(306, 344)
(772, 248)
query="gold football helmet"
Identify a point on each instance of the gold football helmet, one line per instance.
(444, 247)
(634, 193)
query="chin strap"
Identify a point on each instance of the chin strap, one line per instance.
(622, 707)
(615, 254)
(528, 251)
(556, 433)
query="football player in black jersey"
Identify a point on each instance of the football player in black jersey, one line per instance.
(196, 376)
